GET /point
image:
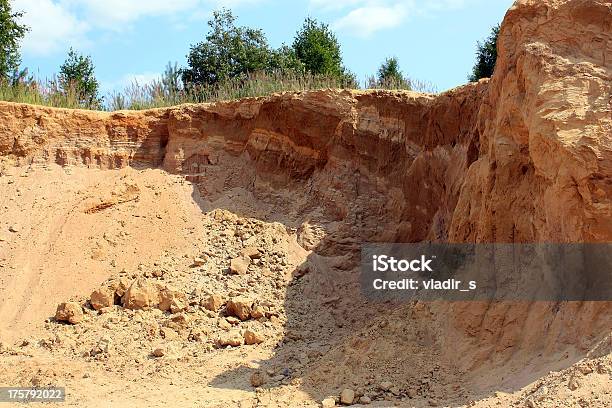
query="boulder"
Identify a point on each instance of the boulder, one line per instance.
(347, 396)
(240, 265)
(102, 297)
(231, 338)
(240, 307)
(171, 299)
(253, 337)
(141, 294)
(70, 312)
(213, 302)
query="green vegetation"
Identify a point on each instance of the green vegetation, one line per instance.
(11, 33)
(77, 78)
(486, 56)
(231, 62)
(390, 77)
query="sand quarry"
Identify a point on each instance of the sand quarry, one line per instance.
(207, 255)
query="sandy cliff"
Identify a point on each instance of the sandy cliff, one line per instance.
(523, 157)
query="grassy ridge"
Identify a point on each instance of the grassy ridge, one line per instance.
(159, 93)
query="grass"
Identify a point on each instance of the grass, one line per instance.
(159, 94)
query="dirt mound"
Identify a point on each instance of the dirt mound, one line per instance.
(213, 249)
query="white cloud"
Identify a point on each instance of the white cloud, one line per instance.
(56, 25)
(365, 17)
(364, 21)
(52, 27)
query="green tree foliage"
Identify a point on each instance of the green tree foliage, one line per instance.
(318, 49)
(486, 56)
(390, 76)
(284, 60)
(228, 52)
(77, 77)
(11, 33)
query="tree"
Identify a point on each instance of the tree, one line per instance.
(317, 47)
(227, 52)
(486, 56)
(77, 76)
(389, 76)
(11, 33)
(285, 60)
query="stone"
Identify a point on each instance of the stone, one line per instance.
(573, 383)
(140, 295)
(240, 265)
(328, 403)
(251, 252)
(240, 307)
(70, 312)
(258, 312)
(385, 385)
(171, 299)
(232, 338)
(198, 262)
(233, 320)
(224, 324)
(365, 400)
(258, 379)
(213, 302)
(102, 297)
(14, 228)
(347, 396)
(253, 337)
(158, 352)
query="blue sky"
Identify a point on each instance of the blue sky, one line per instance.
(434, 40)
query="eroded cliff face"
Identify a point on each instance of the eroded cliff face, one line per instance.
(388, 165)
(524, 157)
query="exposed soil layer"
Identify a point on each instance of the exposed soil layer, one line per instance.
(211, 250)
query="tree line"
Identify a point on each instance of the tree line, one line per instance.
(228, 52)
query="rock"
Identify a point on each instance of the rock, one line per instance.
(253, 337)
(213, 302)
(233, 320)
(14, 228)
(70, 312)
(102, 297)
(365, 400)
(258, 312)
(158, 352)
(224, 324)
(328, 403)
(171, 299)
(120, 286)
(530, 403)
(198, 262)
(251, 252)
(240, 307)
(258, 379)
(347, 396)
(385, 385)
(140, 295)
(240, 265)
(232, 338)
(573, 383)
